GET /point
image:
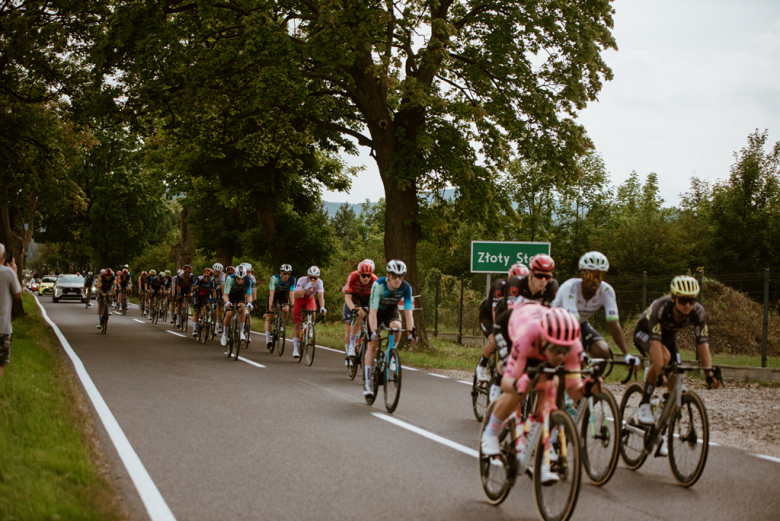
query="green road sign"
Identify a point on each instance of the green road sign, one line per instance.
(497, 256)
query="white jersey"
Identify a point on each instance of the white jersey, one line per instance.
(315, 288)
(570, 297)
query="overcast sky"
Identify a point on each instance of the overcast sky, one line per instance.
(692, 79)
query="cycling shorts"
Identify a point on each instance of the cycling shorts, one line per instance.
(184, 291)
(237, 297)
(199, 301)
(486, 317)
(347, 314)
(589, 336)
(5, 350)
(101, 297)
(282, 297)
(385, 316)
(668, 340)
(301, 304)
(357, 302)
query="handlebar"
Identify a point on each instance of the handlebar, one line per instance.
(675, 368)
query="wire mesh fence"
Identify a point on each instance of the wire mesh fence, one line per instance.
(742, 308)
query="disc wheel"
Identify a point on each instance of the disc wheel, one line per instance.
(689, 439)
(555, 500)
(392, 380)
(632, 431)
(310, 345)
(498, 473)
(600, 435)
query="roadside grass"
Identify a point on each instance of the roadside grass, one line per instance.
(49, 454)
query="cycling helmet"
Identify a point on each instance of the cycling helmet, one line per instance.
(241, 271)
(167, 273)
(247, 266)
(102, 271)
(685, 286)
(396, 266)
(144, 274)
(109, 272)
(208, 272)
(595, 261)
(370, 263)
(518, 270)
(314, 271)
(151, 272)
(124, 271)
(187, 267)
(125, 266)
(230, 270)
(560, 327)
(89, 274)
(286, 267)
(217, 267)
(365, 268)
(542, 262)
(179, 272)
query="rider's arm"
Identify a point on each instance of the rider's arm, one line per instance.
(372, 319)
(409, 316)
(348, 302)
(271, 294)
(617, 335)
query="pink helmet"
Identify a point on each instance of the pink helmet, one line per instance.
(560, 327)
(518, 270)
(542, 262)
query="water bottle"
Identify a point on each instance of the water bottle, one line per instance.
(495, 392)
(657, 405)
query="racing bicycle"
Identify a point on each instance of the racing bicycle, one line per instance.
(387, 370)
(307, 341)
(278, 330)
(355, 362)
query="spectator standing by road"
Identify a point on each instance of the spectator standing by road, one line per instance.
(9, 290)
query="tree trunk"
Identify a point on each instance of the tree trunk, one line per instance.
(16, 239)
(183, 252)
(225, 255)
(268, 224)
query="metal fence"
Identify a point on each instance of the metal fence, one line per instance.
(742, 308)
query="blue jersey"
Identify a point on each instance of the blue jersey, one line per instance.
(203, 286)
(232, 286)
(278, 285)
(382, 297)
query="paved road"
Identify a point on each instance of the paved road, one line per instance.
(230, 440)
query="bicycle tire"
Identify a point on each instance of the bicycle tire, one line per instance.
(155, 312)
(528, 406)
(185, 318)
(104, 325)
(310, 345)
(609, 367)
(600, 438)
(235, 333)
(392, 380)
(281, 332)
(689, 437)
(480, 396)
(352, 368)
(557, 501)
(201, 327)
(498, 473)
(247, 331)
(632, 444)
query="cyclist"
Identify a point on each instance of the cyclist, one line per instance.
(88, 281)
(655, 336)
(305, 290)
(204, 290)
(251, 275)
(172, 294)
(238, 292)
(386, 293)
(155, 290)
(125, 285)
(183, 291)
(143, 287)
(538, 336)
(538, 286)
(104, 284)
(487, 316)
(280, 291)
(219, 283)
(359, 285)
(584, 297)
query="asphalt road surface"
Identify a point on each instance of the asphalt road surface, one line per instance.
(224, 439)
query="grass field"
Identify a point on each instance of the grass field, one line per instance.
(48, 460)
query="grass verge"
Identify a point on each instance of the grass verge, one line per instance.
(51, 466)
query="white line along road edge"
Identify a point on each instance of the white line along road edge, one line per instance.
(153, 501)
(431, 436)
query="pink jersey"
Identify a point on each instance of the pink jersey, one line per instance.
(525, 333)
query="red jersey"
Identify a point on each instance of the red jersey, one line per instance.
(356, 287)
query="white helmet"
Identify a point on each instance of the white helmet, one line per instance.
(595, 261)
(370, 263)
(240, 271)
(396, 266)
(102, 271)
(286, 267)
(246, 265)
(314, 271)
(180, 271)
(217, 267)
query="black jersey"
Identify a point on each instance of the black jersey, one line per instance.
(659, 317)
(497, 292)
(517, 289)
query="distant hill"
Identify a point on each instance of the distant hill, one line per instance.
(332, 208)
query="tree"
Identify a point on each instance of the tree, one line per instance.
(490, 79)
(345, 224)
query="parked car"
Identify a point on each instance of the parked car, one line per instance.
(46, 286)
(69, 287)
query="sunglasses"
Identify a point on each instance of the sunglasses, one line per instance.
(543, 276)
(558, 350)
(594, 275)
(364, 276)
(313, 278)
(686, 301)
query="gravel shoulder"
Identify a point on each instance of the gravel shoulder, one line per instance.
(744, 416)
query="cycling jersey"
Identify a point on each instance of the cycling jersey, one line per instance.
(203, 286)
(497, 292)
(168, 282)
(570, 297)
(659, 318)
(105, 283)
(382, 297)
(356, 287)
(184, 286)
(278, 285)
(88, 281)
(518, 290)
(526, 339)
(238, 291)
(123, 281)
(143, 281)
(309, 293)
(156, 283)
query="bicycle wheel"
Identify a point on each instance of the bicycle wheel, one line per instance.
(392, 380)
(498, 473)
(352, 368)
(156, 312)
(310, 345)
(185, 316)
(600, 434)
(104, 325)
(480, 396)
(556, 500)
(632, 432)
(281, 338)
(236, 333)
(689, 440)
(528, 406)
(201, 327)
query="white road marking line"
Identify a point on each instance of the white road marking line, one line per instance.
(139, 321)
(175, 333)
(770, 458)
(250, 362)
(431, 436)
(329, 349)
(153, 501)
(465, 382)
(438, 375)
(410, 368)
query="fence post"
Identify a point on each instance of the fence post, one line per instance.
(487, 292)
(460, 313)
(765, 334)
(644, 291)
(436, 309)
(699, 297)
